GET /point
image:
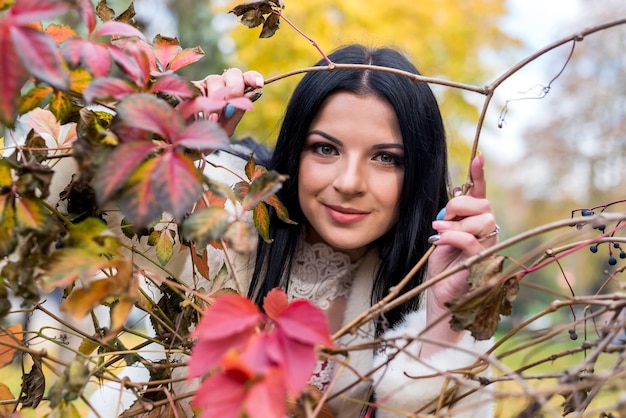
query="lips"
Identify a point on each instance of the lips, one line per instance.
(344, 215)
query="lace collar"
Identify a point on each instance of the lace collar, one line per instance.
(321, 274)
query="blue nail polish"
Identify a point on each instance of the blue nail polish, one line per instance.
(441, 214)
(229, 111)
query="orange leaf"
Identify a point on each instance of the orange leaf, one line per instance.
(6, 408)
(7, 353)
(275, 303)
(84, 299)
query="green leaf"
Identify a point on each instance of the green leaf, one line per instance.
(262, 187)
(61, 105)
(176, 184)
(71, 264)
(93, 235)
(261, 218)
(31, 214)
(206, 225)
(137, 200)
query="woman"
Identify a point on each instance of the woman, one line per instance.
(365, 153)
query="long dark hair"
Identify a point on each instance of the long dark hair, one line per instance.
(425, 184)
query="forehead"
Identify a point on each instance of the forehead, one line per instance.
(348, 115)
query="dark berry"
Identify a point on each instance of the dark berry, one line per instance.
(572, 334)
(580, 226)
(572, 331)
(612, 260)
(622, 254)
(594, 248)
(586, 212)
(601, 227)
(616, 245)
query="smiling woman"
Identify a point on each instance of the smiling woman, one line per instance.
(365, 156)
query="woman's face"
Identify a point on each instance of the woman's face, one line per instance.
(351, 172)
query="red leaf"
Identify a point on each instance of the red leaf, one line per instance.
(275, 302)
(108, 87)
(88, 14)
(176, 184)
(118, 167)
(96, 58)
(255, 355)
(144, 111)
(185, 57)
(228, 316)
(26, 11)
(203, 135)
(124, 44)
(116, 28)
(137, 201)
(173, 85)
(304, 322)
(71, 50)
(39, 56)
(12, 77)
(165, 49)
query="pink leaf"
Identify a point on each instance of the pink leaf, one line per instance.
(206, 355)
(124, 44)
(173, 85)
(266, 398)
(229, 315)
(176, 184)
(185, 57)
(72, 50)
(118, 167)
(241, 103)
(203, 135)
(165, 49)
(304, 322)
(220, 395)
(88, 14)
(116, 28)
(96, 58)
(12, 77)
(147, 112)
(256, 356)
(108, 88)
(27, 11)
(40, 56)
(297, 361)
(136, 200)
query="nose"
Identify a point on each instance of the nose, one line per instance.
(350, 178)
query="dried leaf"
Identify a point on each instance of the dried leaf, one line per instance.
(270, 26)
(259, 12)
(489, 297)
(33, 385)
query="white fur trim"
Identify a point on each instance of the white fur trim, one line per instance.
(395, 389)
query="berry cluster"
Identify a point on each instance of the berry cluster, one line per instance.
(615, 246)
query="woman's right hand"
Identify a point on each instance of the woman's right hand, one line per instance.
(235, 83)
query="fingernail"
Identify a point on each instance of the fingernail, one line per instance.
(441, 214)
(259, 82)
(434, 238)
(229, 111)
(256, 96)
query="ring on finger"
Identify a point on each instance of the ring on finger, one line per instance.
(491, 234)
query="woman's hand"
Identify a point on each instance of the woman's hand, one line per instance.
(233, 83)
(467, 228)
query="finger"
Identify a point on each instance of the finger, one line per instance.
(214, 83)
(479, 186)
(467, 243)
(478, 225)
(253, 79)
(233, 79)
(464, 206)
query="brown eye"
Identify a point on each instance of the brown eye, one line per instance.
(324, 149)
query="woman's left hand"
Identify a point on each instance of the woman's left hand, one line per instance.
(468, 227)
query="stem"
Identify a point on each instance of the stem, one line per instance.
(315, 44)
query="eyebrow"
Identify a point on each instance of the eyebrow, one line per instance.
(338, 142)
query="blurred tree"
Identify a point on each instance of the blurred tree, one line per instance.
(444, 38)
